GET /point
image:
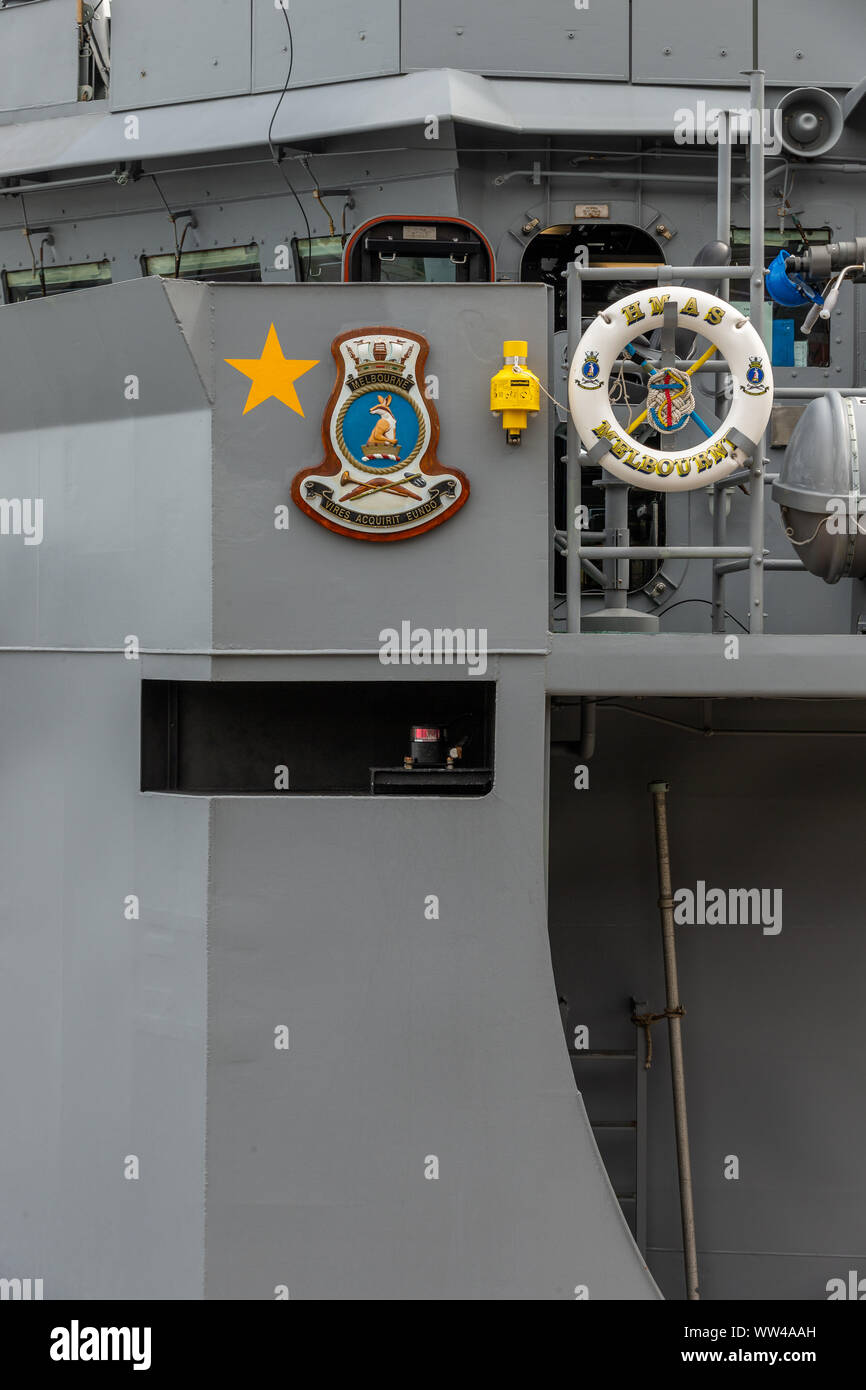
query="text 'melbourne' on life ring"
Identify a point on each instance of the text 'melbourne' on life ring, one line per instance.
(670, 403)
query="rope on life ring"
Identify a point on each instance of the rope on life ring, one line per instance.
(670, 402)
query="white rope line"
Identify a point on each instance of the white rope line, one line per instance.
(515, 367)
(823, 522)
(790, 534)
(618, 390)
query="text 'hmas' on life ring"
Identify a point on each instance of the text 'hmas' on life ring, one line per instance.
(670, 403)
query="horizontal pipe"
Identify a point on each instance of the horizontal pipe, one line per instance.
(650, 272)
(57, 187)
(850, 166)
(770, 563)
(669, 552)
(743, 475)
(609, 176)
(682, 364)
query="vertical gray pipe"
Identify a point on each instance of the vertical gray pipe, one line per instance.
(723, 233)
(616, 533)
(720, 536)
(723, 193)
(756, 314)
(574, 315)
(659, 792)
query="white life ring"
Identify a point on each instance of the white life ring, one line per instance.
(719, 455)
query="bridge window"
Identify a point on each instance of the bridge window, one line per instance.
(233, 264)
(319, 259)
(54, 279)
(418, 250)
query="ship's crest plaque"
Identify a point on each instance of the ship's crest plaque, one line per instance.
(380, 479)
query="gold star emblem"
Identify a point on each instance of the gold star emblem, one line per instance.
(272, 374)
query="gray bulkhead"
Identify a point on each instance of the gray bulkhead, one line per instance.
(409, 1037)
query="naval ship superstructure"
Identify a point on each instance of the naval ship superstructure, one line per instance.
(333, 678)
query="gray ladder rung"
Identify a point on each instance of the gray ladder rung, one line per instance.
(613, 1124)
(625, 1196)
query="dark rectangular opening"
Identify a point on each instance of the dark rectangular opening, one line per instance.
(331, 738)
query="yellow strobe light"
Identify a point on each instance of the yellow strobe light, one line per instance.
(514, 391)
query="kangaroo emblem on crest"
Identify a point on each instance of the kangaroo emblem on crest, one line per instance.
(383, 436)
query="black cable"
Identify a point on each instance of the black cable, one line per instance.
(38, 271)
(172, 219)
(560, 603)
(162, 195)
(178, 256)
(681, 601)
(285, 84)
(42, 266)
(274, 155)
(26, 230)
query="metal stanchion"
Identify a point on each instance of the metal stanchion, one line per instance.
(674, 1012)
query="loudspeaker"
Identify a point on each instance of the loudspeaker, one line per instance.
(812, 121)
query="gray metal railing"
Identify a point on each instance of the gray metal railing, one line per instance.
(585, 556)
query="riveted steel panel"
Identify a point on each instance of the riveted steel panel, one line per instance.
(38, 55)
(814, 45)
(332, 42)
(164, 52)
(549, 39)
(670, 45)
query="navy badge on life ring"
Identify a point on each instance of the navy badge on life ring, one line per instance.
(755, 378)
(590, 372)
